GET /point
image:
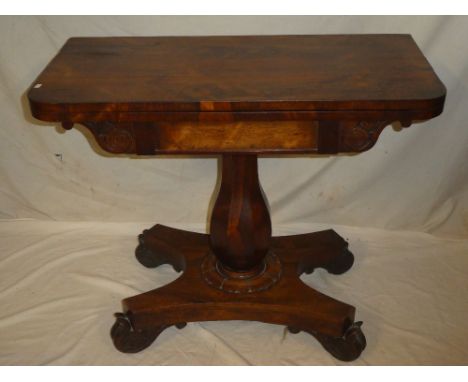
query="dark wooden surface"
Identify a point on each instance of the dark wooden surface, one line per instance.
(239, 97)
(243, 73)
(288, 302)
(259, 137)
(240, 220)
(241, 272)
(258, 94)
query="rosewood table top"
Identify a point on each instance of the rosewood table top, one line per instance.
(241, 73)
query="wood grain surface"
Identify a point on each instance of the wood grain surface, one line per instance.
(236, 73)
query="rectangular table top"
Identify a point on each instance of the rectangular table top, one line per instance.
(237, 73)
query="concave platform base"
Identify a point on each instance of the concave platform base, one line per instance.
(283, 301)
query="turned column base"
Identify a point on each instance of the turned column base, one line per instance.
(258, 280)
(199, 295)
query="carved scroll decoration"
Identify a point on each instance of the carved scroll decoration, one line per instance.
(114, 138)
(362, 136)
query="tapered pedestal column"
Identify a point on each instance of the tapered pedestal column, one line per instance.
(239, 272)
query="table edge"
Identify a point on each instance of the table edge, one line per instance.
(416, 109)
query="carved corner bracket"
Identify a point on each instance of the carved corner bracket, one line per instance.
(114, 138)
(362, 136)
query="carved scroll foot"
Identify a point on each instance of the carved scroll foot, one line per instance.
(323, 249)
(155, 248)
(346, 348)
(129, 340)
(341, 263)
(145, 256)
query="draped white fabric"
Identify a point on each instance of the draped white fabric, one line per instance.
(403, 205)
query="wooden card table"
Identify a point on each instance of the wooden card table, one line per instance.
(239, 97)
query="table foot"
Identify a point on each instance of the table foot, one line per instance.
(347, 348)
(160, 246)
(323, 249)
(127, 339)
(342, 263)
(287, 301)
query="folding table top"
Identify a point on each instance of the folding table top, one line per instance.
(237, 74)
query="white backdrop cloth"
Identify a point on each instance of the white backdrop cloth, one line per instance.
(404, 205)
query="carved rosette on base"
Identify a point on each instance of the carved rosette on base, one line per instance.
(237, 282)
